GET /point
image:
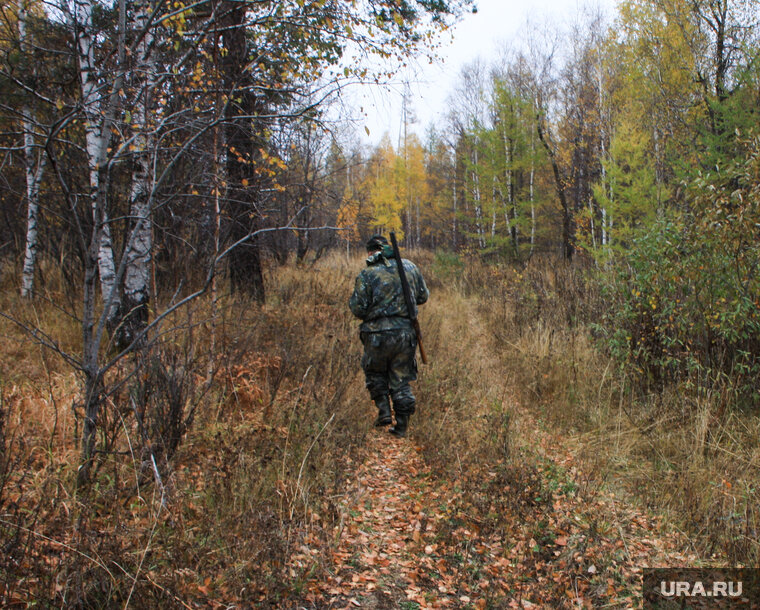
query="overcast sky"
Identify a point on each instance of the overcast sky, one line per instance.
(496, 24)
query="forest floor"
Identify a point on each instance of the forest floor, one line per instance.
(410, 539)
(283, 495)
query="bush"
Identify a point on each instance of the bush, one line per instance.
(684, 305)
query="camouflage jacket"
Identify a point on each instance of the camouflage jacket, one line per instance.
(378, 299)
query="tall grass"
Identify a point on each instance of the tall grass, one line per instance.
(215, 468)
(686, 449)
(210, 469)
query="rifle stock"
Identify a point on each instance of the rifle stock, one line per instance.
(411, 305)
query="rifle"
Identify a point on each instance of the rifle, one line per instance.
(411, 306)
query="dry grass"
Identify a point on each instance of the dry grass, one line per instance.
(263, 439)
(692, 454)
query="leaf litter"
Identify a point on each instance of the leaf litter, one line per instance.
(411, 538)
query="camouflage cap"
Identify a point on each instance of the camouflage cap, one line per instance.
(376, 242)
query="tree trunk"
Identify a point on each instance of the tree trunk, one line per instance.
(139, 245)
(477, 201)
(511, 202)
(567, 246)
(33, 174)
(246, 274)
(603, 146)
(99, 111)
(454, 215)
(33, 182)
(90, 348)
(419, 230)
(531, 192)
(96, 136)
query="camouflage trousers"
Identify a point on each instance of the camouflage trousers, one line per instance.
(389, 365)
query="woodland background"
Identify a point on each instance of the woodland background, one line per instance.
(183, 208)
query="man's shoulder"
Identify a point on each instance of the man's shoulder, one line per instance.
(372, 272)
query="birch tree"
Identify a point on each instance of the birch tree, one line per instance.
(34, 162)
(468, 117)
(146, 125)
(99, 109)
(138, 252)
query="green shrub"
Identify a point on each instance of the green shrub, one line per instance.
(684, 304)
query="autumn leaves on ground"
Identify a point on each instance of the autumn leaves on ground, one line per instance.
(255, 478)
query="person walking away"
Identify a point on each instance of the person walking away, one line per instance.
(387, 333)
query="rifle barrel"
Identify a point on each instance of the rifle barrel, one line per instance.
(411, 305)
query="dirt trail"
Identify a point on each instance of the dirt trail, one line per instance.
(411, 540)
(387, 551)
(528, 532)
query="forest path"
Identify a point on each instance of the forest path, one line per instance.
(410, 539)
(391, 553)
(532, 530)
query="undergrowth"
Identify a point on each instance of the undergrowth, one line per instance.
(686, 447)
(215, 466)
(210, 470)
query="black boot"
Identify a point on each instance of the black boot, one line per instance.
(399, 430)
(383, 411)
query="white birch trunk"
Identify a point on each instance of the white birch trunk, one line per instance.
(33, 182)
(33, 175)
(139, 246)
(532, 205)
(96, 138)
(477, 201)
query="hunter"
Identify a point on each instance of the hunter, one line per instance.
(387, 332)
